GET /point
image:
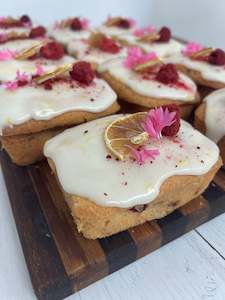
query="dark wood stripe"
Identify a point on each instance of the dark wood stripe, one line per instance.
(120, 250)
(172, 226)
(147, 237)
(196, 211)
(216, 198)
(35, 236)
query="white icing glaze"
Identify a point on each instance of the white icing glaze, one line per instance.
(161, 49)
(149, 88)
(65, 35)
(208, 71)
(113, 30)
(215, 115)
(84, 170)
(19, 45)
(28, 102)
(81, 50)
(15, 29)
(9, 68)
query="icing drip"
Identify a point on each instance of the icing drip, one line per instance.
(208, 71)
(37, 103)
(82, 161)
(215, 115)
(161, 49)
(146, 87)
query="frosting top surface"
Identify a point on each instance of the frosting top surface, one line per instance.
(37, 103)
(84, 169)
(19, 45)
(81, 50)
(146, 87)
(65, 35)
(9, 68)
(215, 115)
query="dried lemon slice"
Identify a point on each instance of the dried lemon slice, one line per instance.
(124, 133)
(52, 74)
(202, 53)
(149, 38)
(147, 65)
(29, 52)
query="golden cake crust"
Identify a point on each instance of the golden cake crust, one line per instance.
(95, 221)
(66, 119)
(127, 94)
(199, 123)
(197, 77)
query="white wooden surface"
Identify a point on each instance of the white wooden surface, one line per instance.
(192, 267)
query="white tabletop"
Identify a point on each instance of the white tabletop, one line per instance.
(191, 267)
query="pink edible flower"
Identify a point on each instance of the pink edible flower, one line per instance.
(142, 154)
(3, 37)
(132, 22)
(85, 23)
(191, 48)
(39, 70)
(6, 54)
(2, 19)
(136, 56)
(11, 85)
(156, 120)
(140, 32)
(21, 76)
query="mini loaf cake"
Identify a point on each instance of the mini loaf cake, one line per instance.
(148, 39)
(145, 80)
(206, 66)
(117, 26)
(19, 25)
(69, 29)
(44, 56)
(98, 49)
(36, 108)
(137, 168)
(210, 118)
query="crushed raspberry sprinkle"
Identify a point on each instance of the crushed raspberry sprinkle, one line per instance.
(38, 31)
(173, 129)
(217, 57)
(167, 74)
(82, 72)
(165, 34)
(109, 45)
(52, 50)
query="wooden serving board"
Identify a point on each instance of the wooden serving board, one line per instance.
(60, 260)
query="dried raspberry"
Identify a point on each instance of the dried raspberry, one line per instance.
(48, 84)
(217, 57)
(174, 128)
(82, 72)
(21, 83)
(52, 50)
(25, 19)
(124, 23)
(76, 24)
(165, 34)
(167, 74)
(109, 45)
(38, 31)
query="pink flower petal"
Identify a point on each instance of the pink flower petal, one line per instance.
(85, 23)
(6, 54)
(3, 37)
(11, 85)
(142, 154)
(136, 56)
(156, 120)
(21, 76)
(191, 47)
(132, 22)
(39, 70)
(140, 32)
